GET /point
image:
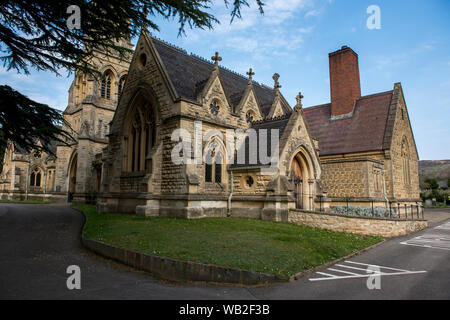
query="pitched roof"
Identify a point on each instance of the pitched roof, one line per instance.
(51, 146)
(276, 123)
(363, 131)
(189, 74)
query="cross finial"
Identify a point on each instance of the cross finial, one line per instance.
(275, 78)
(216, 58)
(250, 73)
(298, 106)
(299, 98)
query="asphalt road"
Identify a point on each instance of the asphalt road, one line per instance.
(39, 242)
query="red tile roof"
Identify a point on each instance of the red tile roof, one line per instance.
(363, 131)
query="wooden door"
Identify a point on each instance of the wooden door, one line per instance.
(296, 177)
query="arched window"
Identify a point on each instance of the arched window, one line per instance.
(141, 138)
(213, 164)
(405, 162)
(105, 92)
(120, 87)
(35, 178)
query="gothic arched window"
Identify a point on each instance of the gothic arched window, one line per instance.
(105, 92)
(35, 178)
(213, 165)
(141, 138)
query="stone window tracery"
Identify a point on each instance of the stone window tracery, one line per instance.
(35, 177)
(105, 91)
(141, 139)
(249, 117)
(214, 107)
(213, 165)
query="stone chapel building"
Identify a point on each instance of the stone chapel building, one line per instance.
(367, 148)
(355, 149)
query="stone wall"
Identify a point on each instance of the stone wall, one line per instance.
(346, 178)
(403, 132)
(359, 225)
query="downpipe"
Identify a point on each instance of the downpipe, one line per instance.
(231, 193)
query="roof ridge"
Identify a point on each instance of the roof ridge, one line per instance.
(362, 97)
(203, 59)
(168, 44)
(376, 94)
(317, 106)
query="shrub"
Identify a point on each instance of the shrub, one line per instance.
(379, 212)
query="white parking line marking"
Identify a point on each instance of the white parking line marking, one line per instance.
(350, 267)
(364, 273)
(326, 274)
(365, 264)
(430, 242)
(342, 271)
(445, 226)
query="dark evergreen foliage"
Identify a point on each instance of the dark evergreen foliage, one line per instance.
(34, 34)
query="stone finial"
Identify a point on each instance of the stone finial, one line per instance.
(275, 78)
(216, 58)
(299, 99)
(250, 74)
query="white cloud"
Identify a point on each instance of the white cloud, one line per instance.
(312, 13)
(242, 43)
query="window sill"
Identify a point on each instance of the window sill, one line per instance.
(138, 174)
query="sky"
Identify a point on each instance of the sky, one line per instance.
(293, 38)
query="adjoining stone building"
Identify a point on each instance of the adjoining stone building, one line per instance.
(28, 175)
(91, 106)
(357, 150)
(74, 171)
(367, 148)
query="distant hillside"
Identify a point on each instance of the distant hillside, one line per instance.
(438, 169)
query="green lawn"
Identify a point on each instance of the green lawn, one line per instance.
(25, 201)
(277, 248)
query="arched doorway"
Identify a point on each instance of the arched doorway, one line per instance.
(303, 179)
(297, 180)
(72, 177)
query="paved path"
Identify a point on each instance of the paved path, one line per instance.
(38, 243)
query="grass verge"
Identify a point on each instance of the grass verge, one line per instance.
(282, 249)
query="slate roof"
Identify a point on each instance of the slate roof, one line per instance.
(363, 131)
(276, 123)
(189, 74)
(51, 146)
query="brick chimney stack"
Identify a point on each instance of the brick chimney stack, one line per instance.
(345, 85)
